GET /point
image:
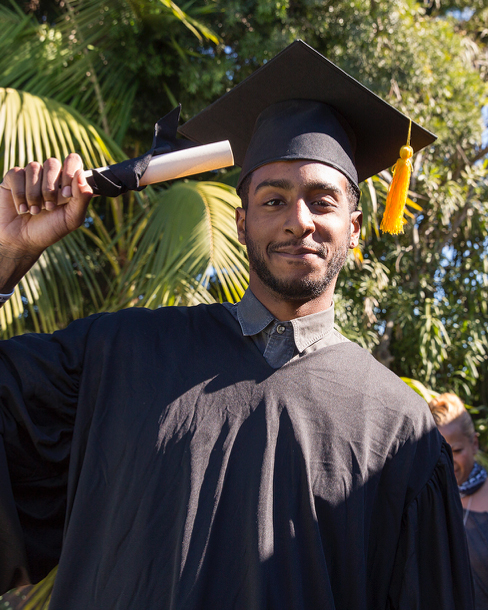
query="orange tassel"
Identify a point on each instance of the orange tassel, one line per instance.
(396, 199)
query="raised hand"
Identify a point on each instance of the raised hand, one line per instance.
(39, 205)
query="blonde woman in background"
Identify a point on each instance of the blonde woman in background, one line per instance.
(456, 426)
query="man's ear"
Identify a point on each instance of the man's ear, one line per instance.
(241, 225)
(356, 223)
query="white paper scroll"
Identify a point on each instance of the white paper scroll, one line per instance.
(187, 162)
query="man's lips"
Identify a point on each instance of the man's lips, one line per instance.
(297, 252)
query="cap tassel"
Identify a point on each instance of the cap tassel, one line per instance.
(396, 199)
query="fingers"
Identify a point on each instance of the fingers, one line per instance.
(50, 183)
(33, 180)
(71, 165)
(81, 195)
(37, 187)
(14, 181)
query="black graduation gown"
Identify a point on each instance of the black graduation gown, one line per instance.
(187, 474)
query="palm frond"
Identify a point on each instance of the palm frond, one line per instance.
(74, 62)
(30, 597)
(56, 288)
(426, 393)
(189, 240)
(33, 128)
(199, 29)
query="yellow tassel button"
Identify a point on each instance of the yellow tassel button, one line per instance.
(396, 199)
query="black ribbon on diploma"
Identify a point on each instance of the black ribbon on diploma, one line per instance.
(125, 176)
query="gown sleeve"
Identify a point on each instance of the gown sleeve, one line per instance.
(431, 567)
(39, 378)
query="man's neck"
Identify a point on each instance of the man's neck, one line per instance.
(284, 310)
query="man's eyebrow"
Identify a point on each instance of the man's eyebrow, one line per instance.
(323, 186)
(283, 184)
(286, 185)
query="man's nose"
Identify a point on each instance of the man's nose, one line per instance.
(299, 220)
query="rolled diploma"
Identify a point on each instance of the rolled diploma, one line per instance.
(186, 162)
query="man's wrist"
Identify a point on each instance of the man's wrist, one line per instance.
(13, 266)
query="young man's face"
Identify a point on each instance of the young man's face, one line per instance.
(297, 229)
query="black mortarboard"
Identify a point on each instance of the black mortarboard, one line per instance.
(299, 105)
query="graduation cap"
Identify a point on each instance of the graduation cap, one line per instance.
(299, 105)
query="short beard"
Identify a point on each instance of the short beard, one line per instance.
(304, 289)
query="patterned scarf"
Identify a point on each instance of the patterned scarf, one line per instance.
(475, 480)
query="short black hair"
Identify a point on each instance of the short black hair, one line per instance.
(352, 193)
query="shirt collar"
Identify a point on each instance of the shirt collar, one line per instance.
(310, 329)
(253, 318)
(252, 314)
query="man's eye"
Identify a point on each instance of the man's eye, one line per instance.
(273, 202)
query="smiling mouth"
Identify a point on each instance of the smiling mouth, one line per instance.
(297, 252)
(298, 255)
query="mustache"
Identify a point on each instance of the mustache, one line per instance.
(319, 249)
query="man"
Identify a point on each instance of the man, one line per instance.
(232, 456)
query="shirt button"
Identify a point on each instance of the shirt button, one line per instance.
(280, 329)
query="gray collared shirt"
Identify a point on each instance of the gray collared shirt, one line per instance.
(278, 341)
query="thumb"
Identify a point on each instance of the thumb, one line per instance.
(81, 185)
(78, 203)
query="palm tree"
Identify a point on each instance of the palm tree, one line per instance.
(65, 87)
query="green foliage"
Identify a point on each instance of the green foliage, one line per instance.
(418, 387)
(116, 61)
(30, 597)
(72, 85)
(186, 238)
